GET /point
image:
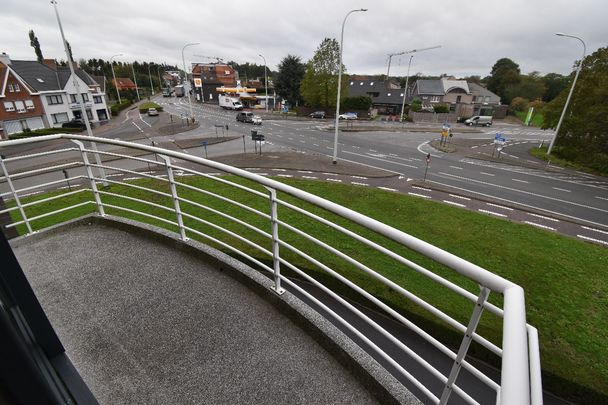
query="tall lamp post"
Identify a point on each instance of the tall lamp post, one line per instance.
(265, 81)
(135, 80)
(150, 77)
(337, 121)
(114, 76)
(79, 95)
(186, 74)
(407, 78)
(578, 70)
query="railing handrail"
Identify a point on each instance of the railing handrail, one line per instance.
(515, 376)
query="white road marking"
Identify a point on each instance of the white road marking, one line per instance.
(373, 150)
(561, 189)
(466, 179)
(491, 212)
(329, 147)
(305, 171)
(539, 225)
(500, 206)
(359, 184)
(602, 198)
(460, 197)
(359, 177)
(594, 230)
(284, 175)
(330, 174)
(131, 178)
(487, 174)
(383, 160)
(543, 217)
(419, 195)
(521, 181)
(137, 126)
(456, 167)
(592, 239)
(420, 188)
(145, 122)
(454, 203)
(310, 177)
(315, 144)
(336, 180)
(388, 189)
(279, 170)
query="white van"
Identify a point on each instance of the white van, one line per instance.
(484, 120)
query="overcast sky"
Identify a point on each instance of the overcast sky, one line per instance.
(473, 34)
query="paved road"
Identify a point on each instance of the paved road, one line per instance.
(561, 195)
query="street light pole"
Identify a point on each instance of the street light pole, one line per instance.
(114, 76)
(407, 78)
(335, 157)
(265, 82)
(150, 77)
(578, 70)
(80, 95)
(135, 80)
(186, 74)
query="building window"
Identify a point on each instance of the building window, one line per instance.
(435, 99)
(60, 118)
(17, 87)
(85, 97)
(97, 99)
(54, 99)
(29, 104)
(8, 106)
(73, 98)
(11, 88)
(90, 115)
(19, 106)
(487, 99)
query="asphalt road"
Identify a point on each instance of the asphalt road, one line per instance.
(556, 194)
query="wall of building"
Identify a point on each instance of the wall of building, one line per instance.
(13, 118)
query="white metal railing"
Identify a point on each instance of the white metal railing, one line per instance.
(520, 371)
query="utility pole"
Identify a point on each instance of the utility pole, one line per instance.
(135, 81)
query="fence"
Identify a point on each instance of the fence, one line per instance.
(267, 224)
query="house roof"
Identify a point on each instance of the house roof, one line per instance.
(38, 76)
(454, 84)
(386, 95)
(431, 87)
(101, 81)
(124, 82)
(479, 90)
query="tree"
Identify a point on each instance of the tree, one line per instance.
(36, 45)
(504, 73)
(519, 104)
(529, 86)
(554, 83)
(357, 103)
(288, 80)
(583, 136)
(320, 84)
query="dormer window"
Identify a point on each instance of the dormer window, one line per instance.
(361, 84)
(351, 83)
(39, 80)
(17, 87)
(11, 89)
(371, 84)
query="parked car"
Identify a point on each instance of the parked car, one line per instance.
(245, 116)
(75, 123)
(318, 114)
(483, 120)
(152, 112)
(348, 116)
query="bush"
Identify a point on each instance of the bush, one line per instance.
(416, 105)
(407, 118)
(357, 103)
(42, 131)
(116, 108)
(143, 108)
(441, 109)
(519, 104)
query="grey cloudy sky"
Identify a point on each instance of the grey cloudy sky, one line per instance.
(473, 34)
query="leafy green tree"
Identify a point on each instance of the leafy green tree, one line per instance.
(441, 108)
(519, 104)
(504, 73)
(416, 105)
(288, 79)
(357, 103)
(583, 136)
(319, 87)
(531, 87)
(34, 43)
(554, 83)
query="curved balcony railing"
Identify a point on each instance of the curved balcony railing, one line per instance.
(266, 240)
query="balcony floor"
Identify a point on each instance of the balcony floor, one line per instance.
(146, 323)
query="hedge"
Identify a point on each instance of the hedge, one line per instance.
(116, 108)
(43, 131)
(143, 108)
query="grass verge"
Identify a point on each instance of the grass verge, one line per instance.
(564, 279)
(541, 153)
(536, 121)
(143, 108)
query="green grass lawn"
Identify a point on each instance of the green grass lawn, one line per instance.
(541, 153)
(143, 108)
(564, 279)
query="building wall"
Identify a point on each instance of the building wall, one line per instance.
(89, 105)
(17, 118)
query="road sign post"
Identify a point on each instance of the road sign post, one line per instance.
(205, 146)
(65, 174)
(428, 160)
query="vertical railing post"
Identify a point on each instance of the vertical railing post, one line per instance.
(464, 345)
(176, 205)
(87, 167)
(102, 171)
(7, 176)
(275, 241)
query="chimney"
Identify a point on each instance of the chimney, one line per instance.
(5, 59)
(50, 63)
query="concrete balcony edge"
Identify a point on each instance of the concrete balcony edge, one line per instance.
(377, 380)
